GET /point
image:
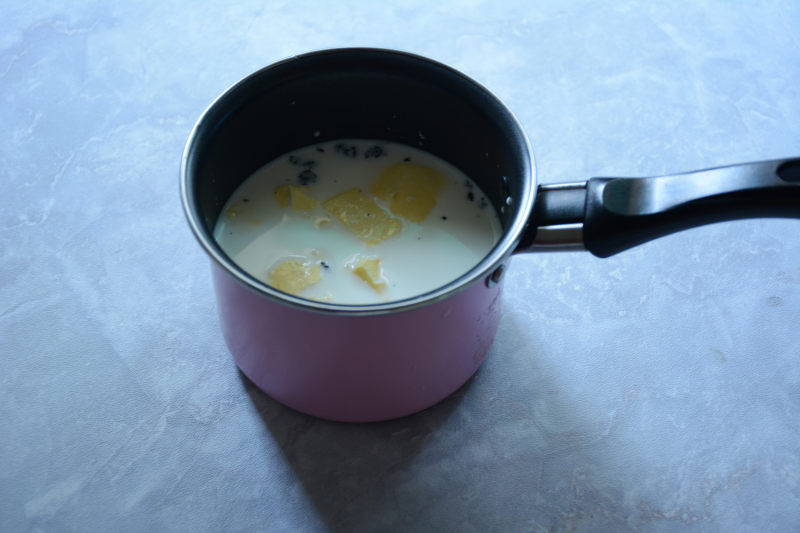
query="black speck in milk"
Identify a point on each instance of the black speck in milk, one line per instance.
(347, 150)
(307, 177)
(374, 151)
(305, 163)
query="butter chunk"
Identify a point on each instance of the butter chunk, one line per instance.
(293, 276)
(369, 269)
(362, 216)
(411, 190)
(298, 197)
(283, 196)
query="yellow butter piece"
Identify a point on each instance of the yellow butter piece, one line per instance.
(362, 216)
(293, 276)
(411, 190)
(297, 196)
(301, 201)
(369, 269)
(282, 195)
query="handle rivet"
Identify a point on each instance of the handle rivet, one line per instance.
(495, 277)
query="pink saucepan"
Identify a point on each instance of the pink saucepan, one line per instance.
(376, 362)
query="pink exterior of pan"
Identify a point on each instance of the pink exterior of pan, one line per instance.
(357, 368)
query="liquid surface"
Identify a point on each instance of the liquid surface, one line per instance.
(304, 223)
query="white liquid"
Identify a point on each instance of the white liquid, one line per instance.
(258, 234)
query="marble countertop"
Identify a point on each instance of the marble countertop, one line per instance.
(658, 390)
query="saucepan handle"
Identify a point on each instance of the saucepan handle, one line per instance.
(608, 215)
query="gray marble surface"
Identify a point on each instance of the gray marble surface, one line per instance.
(658, 390)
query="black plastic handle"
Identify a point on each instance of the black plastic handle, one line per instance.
(620, 213)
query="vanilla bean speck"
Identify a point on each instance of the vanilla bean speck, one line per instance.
(307, 176)
(374, 151)
(347, 150)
